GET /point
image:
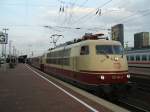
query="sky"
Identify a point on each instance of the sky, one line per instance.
(26, 20)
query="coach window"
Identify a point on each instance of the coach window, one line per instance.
(144, 58)
(137, 58)
(132, 58)
(84, 50)
(149, 57)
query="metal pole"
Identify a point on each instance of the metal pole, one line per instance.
(55, 38)
(10, 51)
(13, 50)
(3, 50)
(5, 57)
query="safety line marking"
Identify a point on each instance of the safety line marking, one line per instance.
(69, 94)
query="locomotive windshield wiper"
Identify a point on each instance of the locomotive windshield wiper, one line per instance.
(104, 52)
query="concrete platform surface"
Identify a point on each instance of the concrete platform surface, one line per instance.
(23, 90)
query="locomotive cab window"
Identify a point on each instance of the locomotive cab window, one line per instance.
(109, 49)
(84, 50)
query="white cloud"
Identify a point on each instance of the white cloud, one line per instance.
(74, 17)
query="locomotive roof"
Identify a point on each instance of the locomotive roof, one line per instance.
(88, 42)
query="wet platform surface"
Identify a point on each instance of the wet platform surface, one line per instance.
(21, 90)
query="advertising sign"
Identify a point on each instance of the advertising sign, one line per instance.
(3, 38)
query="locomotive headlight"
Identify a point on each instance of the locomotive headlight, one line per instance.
(128, 76)
(102, 77)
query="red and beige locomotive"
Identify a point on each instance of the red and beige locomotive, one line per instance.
(90, 62)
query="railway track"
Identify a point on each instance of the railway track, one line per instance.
(144, 87)
(142, 83)
(132, 107)
(138, 100)
(134, 102)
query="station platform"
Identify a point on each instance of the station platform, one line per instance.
(25, 89)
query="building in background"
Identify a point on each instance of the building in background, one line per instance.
(141, 40)
(117, 33)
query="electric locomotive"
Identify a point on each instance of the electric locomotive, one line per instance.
(90, 62)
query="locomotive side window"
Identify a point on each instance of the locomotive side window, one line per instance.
(59, 57)
(84, 50)
(149, 57)
(144, 58)
(66, 52)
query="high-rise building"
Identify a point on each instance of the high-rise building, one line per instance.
(117, 33)
(141, 40)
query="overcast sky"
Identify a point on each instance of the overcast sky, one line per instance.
(26, 20)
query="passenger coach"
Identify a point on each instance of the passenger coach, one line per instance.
(139, 58)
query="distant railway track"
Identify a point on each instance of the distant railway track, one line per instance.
(132, 107)
(131, 104)
(142, 82)
(144, 87)
(140, 94)
(140, 71)
(141, 76)
(139, 66)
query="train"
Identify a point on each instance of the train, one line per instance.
(139, 58)
(91, 62)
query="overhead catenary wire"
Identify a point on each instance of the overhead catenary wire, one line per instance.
(93, 11)
(22, 4)
(99, 13)
(82, 4)
(54, 27)
(69, 9)
(27, 5)
(68, 12)
(70, 3)
(134, 15)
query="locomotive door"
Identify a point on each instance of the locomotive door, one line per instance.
(74, 66)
